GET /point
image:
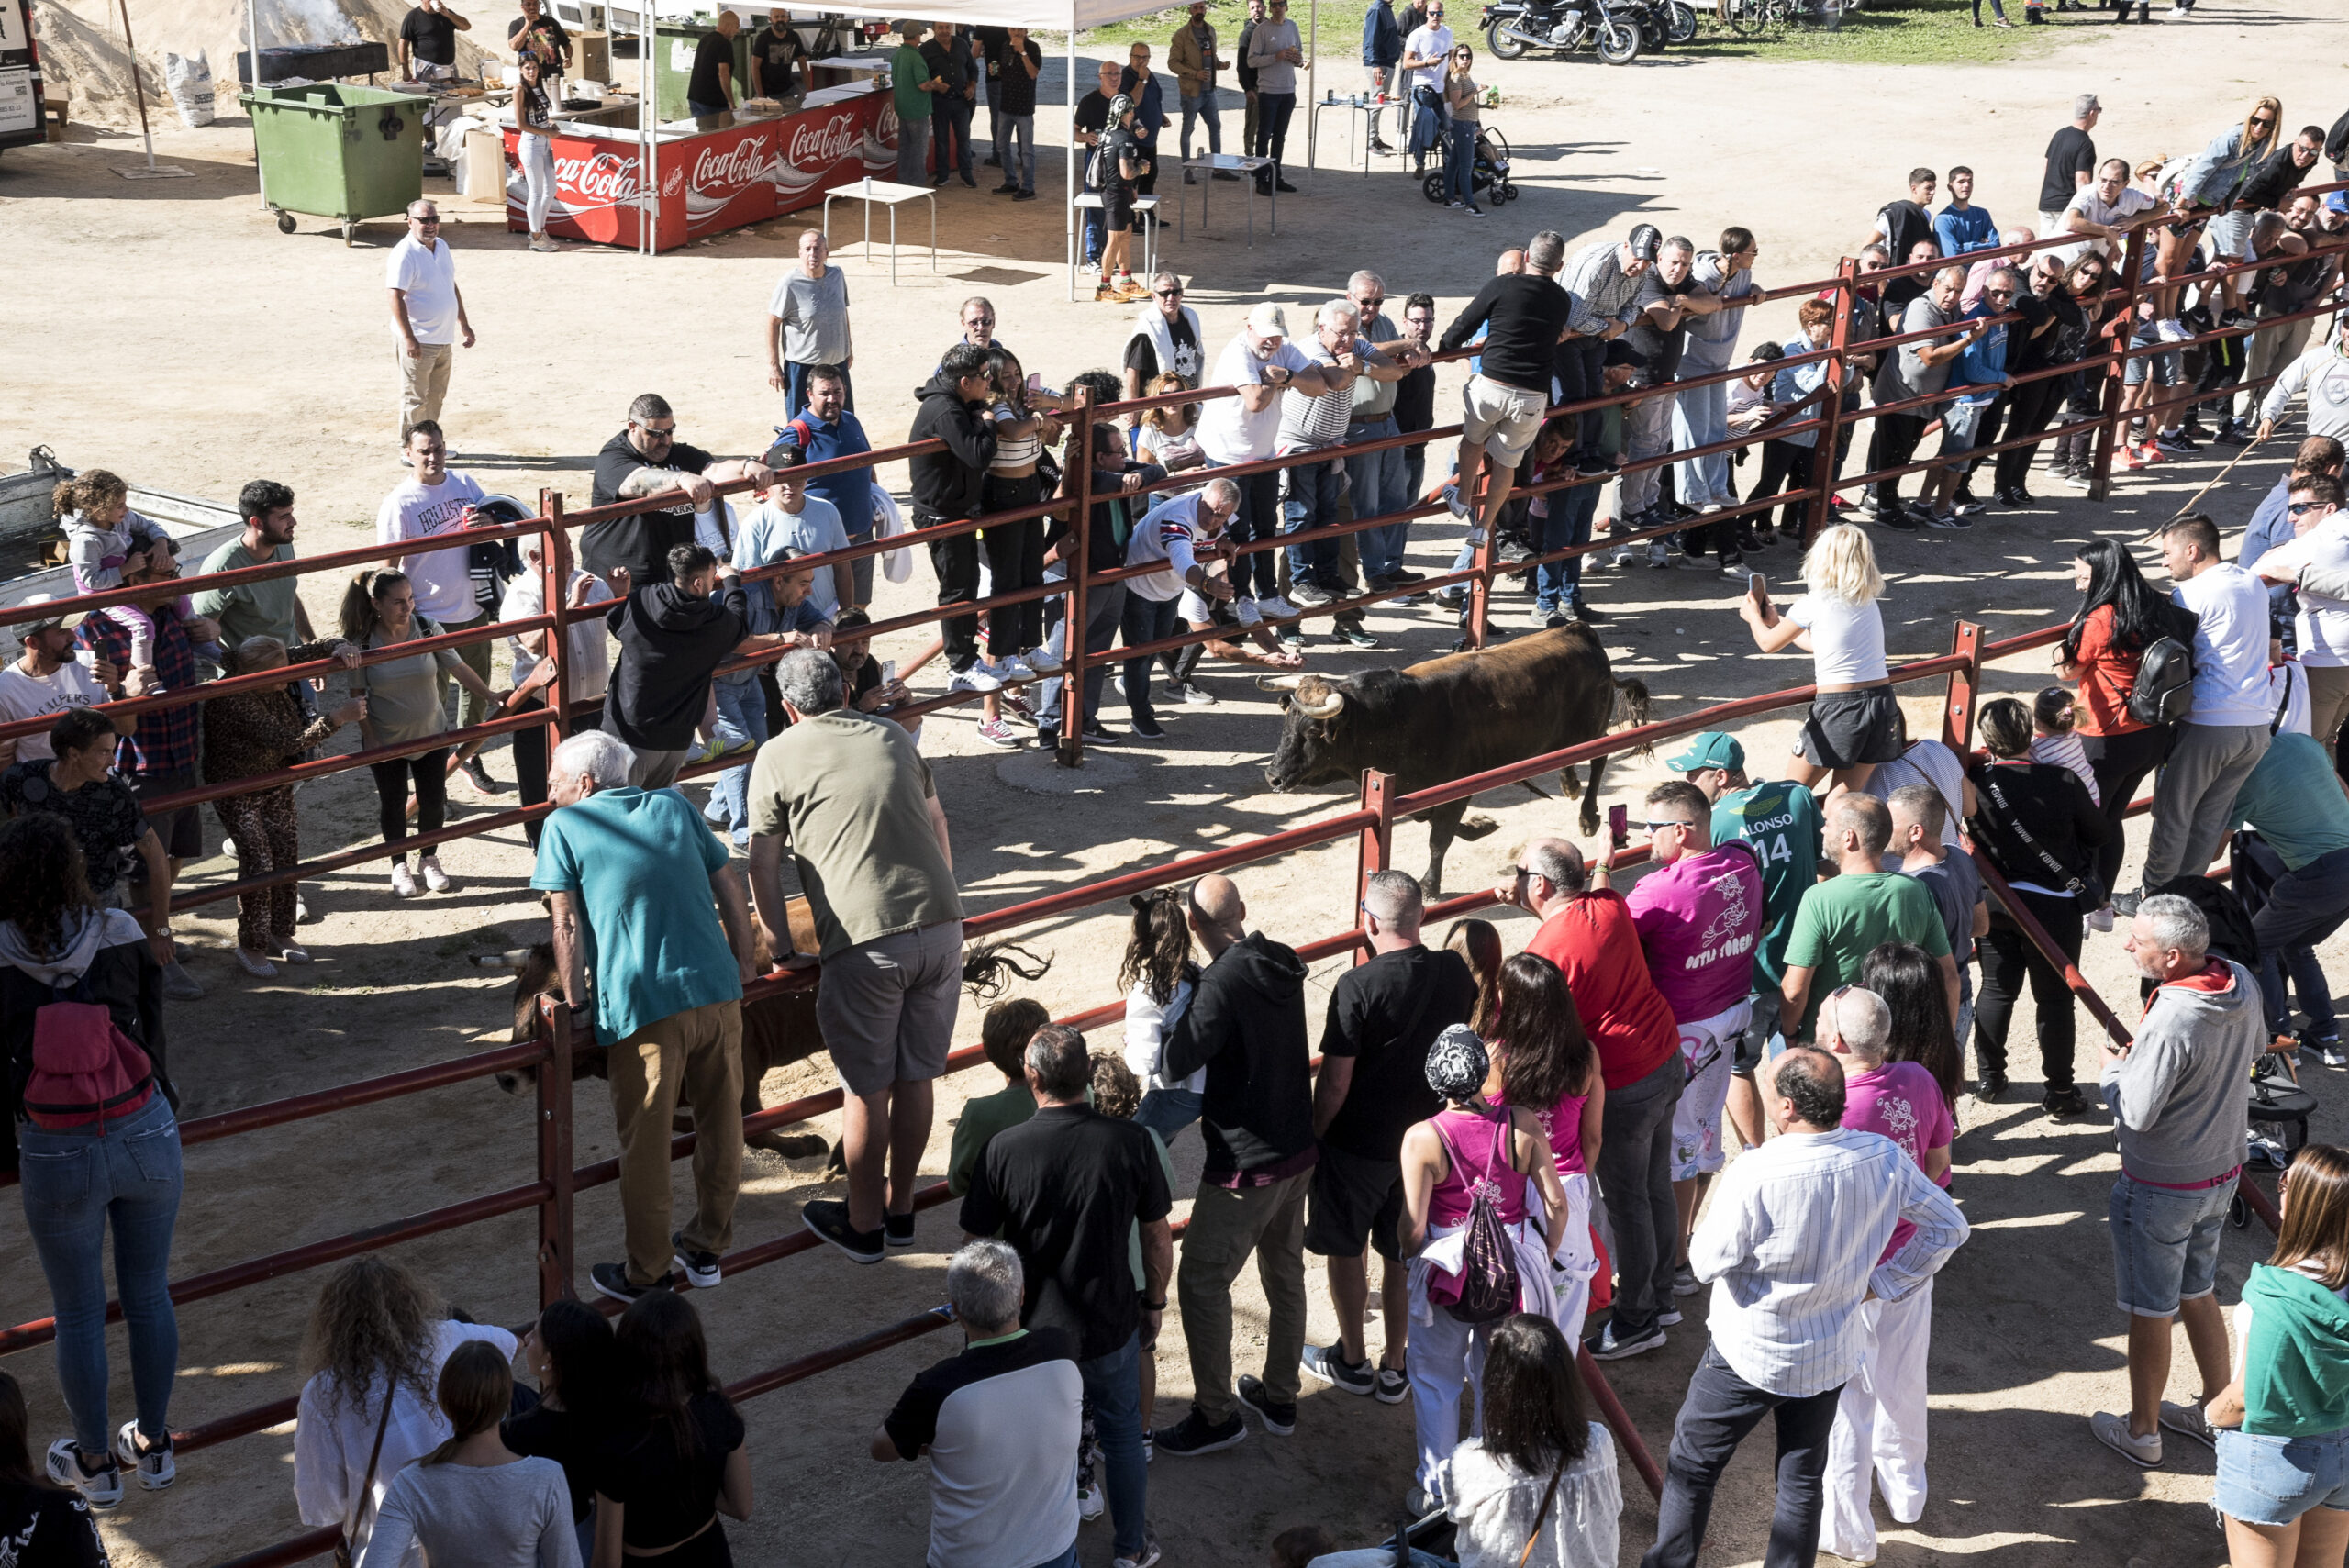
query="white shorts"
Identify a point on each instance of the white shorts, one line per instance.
(1501, 418)
(1707, 1050)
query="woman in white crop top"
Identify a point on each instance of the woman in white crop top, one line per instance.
(1015, 550)
(1854, 721)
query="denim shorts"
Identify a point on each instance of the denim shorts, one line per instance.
(2273, 1481)
(2165, 1244)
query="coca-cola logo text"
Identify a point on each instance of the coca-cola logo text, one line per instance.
(602, 178)
(815, 146)
(730, 168)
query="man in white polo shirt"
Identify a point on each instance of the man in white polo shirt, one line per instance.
(1262, 362)
(428, 315)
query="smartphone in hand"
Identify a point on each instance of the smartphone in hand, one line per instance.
(1618, 825)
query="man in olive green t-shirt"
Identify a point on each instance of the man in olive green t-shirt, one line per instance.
(911, 85)
(857, 807)
(1847, 917)
(269, 608)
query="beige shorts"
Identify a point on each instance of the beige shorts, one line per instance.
(1501, 418)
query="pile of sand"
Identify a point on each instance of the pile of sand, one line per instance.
(81, 44)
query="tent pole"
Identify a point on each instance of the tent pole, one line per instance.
(1068, 173)
(252, 47)
(1312, 53)
(648, 120)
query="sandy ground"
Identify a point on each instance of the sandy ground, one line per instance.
(168, 331)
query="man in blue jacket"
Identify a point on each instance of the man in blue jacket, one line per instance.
(1382, 48)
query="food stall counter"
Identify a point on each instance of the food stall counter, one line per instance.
(715, 173)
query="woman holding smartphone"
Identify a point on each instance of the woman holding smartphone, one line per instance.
(1854, 722)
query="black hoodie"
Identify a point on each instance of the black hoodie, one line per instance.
(1246, 1026)
(946, 485)
(670, 641)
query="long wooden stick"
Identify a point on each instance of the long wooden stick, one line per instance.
(2216, 478)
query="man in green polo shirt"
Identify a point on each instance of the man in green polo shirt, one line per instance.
(270, 609)
(1848, 917)
(911, 86)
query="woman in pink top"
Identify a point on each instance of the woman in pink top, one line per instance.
(1469, 1145)
(1544, 1062)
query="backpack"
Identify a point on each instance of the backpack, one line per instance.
(1488, 1282)
(2163, 689)
(84, 1068)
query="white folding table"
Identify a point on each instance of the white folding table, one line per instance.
(893, 196)
(1225, 163)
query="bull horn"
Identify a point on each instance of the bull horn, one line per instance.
(1277, 682)
(1331, 708)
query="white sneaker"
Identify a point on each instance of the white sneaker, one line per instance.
(1658, 556)
(154, 1467)
(403, 885)
(1043, 660)
(229, 847)
(2170, 329)
(1014, 669)
(101, 1492)
(1277, 609)
(301, 909)
(1245, 608)
(2100, 919)
(1194, 694)
(979, 677)
(2113, 1432)
(1453, 503)
(434, 877)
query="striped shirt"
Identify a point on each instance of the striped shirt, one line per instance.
(1594, 276)
(1169, 532)
(1790, 1244)
(1309, 423)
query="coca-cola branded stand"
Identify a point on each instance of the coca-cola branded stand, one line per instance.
(715, 173)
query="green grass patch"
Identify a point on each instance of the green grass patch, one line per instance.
(1923, 32)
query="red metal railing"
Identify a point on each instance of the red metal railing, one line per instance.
(1371, 823)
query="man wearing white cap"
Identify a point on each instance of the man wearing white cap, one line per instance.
(1263, 363)
(47, 680)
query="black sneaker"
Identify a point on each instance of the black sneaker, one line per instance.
(1329, 1363)
(1394, 1385)
(827, 1218)
(1992, 1086)
(1405, 574)
(2125, 904)
(1584, 612)
(1900, 522)
(612, 1280)
(2063, 1102)
(1284, 187)
(1279, 1420)
(1025, 195)
(700, 1268)
(1100, 735)
(1194, 1434)
(1354, 633)
(1147, 730)
(1008, 188)
(897, 1229)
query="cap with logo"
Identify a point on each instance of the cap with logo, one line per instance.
(1645, 240)
(1711, 750)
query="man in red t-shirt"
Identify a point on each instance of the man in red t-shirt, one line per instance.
(1590, 935)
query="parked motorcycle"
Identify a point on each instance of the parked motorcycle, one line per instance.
(1514, 27)
(1661, 22)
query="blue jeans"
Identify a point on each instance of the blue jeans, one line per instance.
(1258, 519)
(1113, 1389)
(860, 569)
(1065, 1559)
(1105, 607)
(1379, 487)
(705, 111)
(742, 706)
(1700, 418)
(2164, 1243)
(1194, 109)
(1312, 504)
(1021, 130)
(1415, 475)
(1557, 582)
(998, 129)
(913, 142)
(74, 1183)
(2273, 1481)
(1168, 1111)
(950, 136)
(1460, 160)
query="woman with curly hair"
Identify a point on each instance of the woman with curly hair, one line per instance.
(112, 1162)
(376, 1346)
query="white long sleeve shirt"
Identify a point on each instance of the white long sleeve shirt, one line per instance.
(2323, 374)
(1790, 1244)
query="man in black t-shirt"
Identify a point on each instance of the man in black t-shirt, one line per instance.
(429, 37)
(2071, 164)
(1415, 394)
(535, 32)
(948, 57)
(645, 459)
(1382, 1017)
(1092, 119)
(710, 90)
(1012, 112)
(1066, 1188)
(1166, 339)
(776, 54)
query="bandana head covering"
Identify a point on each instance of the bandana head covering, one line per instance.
(1457, 1063)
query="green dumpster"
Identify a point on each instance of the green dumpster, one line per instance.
(338, 152)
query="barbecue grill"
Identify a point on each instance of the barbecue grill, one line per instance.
(316, 62)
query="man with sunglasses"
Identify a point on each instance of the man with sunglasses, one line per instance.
(428, 315)
(2319, 548)
(1699, 918)
(647, 459)
(1971, 419)
(1164, 342)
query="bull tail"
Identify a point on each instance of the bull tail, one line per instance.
(989, 968)
(1632, 703)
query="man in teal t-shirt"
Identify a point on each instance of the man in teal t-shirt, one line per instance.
(1843, 919)
(911, 85)
(2293, 801)
(669, 956)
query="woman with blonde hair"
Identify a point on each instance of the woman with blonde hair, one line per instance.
(1462, 125)
(259, 731)
(1169, 436)
(473, 1502)
(2205, 194)
(2282, 1425)
(1853, 722)
(404, 709)
(375, 1350)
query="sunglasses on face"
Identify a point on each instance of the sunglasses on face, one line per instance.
(1999, 294)
(2302, 508)
(1168, 294)
(659, 433)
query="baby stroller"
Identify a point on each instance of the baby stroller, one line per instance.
(1488, 174)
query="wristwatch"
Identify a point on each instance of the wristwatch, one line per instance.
(1154, 1307)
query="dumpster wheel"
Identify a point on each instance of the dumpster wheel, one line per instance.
(285, 223)
(349, 227)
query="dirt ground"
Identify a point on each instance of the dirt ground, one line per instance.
(169, 331)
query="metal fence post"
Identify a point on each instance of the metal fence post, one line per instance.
(555, 1153)
(1480, 588)
(2132, 265)
(1964, 689)
(1077, 483)
(1376, 847)
(556, 592)
(1823, 460)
